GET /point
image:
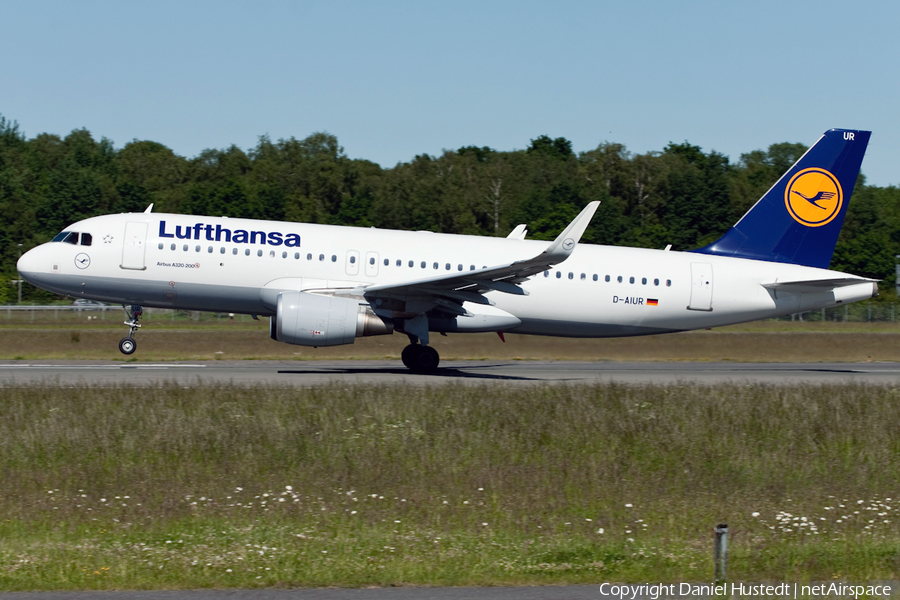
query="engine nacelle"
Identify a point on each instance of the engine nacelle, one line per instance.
(311, 320)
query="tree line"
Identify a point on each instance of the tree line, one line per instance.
(680, 195)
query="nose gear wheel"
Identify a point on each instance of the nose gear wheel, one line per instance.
(127, 345)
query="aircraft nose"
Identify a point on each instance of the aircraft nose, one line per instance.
(29, 264)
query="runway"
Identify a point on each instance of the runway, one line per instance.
(309, 373)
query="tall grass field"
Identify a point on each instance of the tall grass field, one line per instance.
(351, 485)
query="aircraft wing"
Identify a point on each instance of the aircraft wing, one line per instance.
(816, 285)
(448, 292)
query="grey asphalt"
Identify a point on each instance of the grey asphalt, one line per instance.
(306, 373)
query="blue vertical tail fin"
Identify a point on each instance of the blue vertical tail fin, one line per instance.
(798, 220)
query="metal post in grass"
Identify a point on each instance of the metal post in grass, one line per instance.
(720, 554)
(897, 272)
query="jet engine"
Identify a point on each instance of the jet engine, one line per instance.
(310, 320)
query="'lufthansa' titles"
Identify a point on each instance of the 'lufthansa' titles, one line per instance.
(217, 233)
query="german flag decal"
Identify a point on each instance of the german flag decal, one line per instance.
(652, 302)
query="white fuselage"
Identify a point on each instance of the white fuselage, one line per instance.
(207, 263)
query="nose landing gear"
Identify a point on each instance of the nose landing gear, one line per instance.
(127, 345)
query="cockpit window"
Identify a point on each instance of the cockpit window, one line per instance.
(69, 237)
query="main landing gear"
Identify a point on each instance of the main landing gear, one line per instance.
(127, 345)
(420, 359)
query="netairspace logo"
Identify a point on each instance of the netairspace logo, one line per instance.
(655, 591)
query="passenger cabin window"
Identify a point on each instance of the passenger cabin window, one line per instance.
(259, 252)
(606, 279)
(372, 260)
(247, 252)
(172, 247)
(352, 260)
(161, 245)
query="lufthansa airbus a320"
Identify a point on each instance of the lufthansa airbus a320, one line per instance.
(326, 285)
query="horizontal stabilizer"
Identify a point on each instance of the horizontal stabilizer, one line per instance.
(816, 285)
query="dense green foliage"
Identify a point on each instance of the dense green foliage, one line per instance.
(680, 196)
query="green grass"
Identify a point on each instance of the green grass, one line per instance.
(351, 485)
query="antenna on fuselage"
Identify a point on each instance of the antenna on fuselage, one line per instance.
(149, 208)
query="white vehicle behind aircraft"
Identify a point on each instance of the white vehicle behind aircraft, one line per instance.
(325, 285)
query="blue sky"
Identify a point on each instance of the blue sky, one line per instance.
(396, 79)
